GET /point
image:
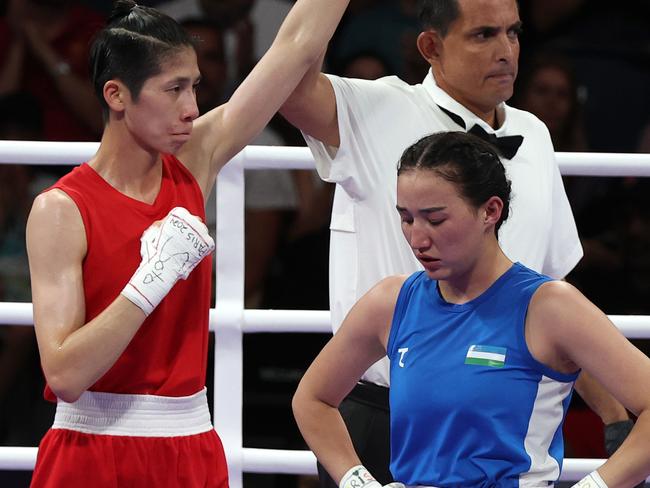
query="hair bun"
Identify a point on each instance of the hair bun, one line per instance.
(121, 9)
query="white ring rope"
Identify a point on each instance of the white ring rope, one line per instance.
(258, 157)
(234, 320)
(277, 461)
(314, 321)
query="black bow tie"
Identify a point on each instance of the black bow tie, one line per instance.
(507, 145)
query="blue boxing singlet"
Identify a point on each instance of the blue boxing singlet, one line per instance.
(470, 406)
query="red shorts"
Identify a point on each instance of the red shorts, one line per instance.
(77, 456)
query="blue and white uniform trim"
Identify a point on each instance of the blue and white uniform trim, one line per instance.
(470, 405)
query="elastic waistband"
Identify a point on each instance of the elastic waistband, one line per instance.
(370, 394)
(135, 415)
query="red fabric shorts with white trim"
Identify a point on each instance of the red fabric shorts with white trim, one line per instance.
(73, 459)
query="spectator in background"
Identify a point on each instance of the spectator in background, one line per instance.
(44, 51)
(367, 65)
(211, 57)
(397, 22)
(608, 45)
(547, 87)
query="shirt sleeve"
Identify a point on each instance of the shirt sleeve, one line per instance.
(350, 164)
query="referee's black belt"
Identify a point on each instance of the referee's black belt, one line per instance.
(370, 394)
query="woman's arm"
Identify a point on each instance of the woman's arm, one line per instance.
(11, 70)
(567, 332)
(75, 92)
(359, 343)
(223, 132)
(74, 355)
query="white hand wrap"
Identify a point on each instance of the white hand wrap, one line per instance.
(170, 250)
(359, 477)
(592, 480)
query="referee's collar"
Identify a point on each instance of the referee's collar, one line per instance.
(443, 99)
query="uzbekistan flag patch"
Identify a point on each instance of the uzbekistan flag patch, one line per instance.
(492, 356)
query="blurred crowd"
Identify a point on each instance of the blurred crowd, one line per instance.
(584, 71)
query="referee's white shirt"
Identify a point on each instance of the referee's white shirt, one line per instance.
(379, 119)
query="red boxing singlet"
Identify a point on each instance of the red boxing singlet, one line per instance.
(166, 358)
(168, 355)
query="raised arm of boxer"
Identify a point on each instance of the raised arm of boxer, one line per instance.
(224, 131)
(75, 354)
(360, 342)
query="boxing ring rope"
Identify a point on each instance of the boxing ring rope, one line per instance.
(234, 320)
(293, 321)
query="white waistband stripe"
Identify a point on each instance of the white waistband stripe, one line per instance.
(135, 415)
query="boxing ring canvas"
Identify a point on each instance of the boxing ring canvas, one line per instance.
(230, 320)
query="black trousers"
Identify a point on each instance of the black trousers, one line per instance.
(366, 414)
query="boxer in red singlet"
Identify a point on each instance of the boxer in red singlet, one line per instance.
(120, 258)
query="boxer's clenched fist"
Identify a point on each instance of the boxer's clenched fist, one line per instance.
(170, 250)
